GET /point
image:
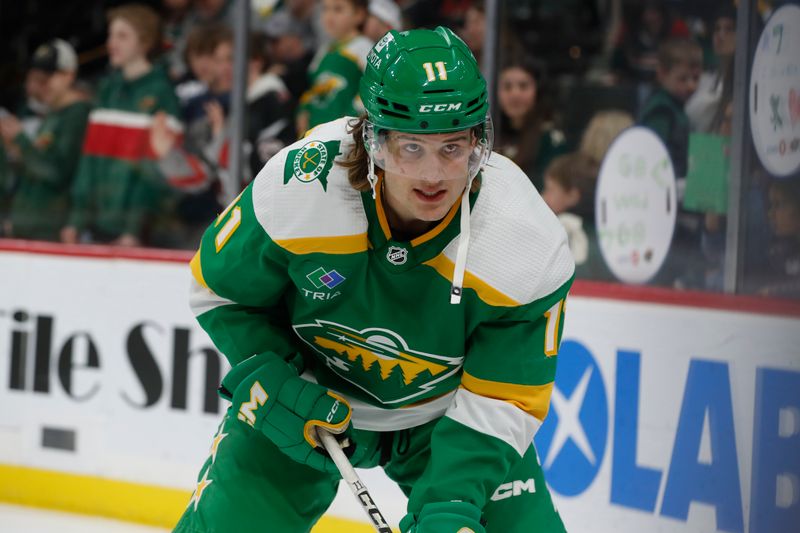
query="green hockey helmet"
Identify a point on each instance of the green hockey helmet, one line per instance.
(417, 84)
(423, 81)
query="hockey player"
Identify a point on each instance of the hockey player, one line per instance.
(386, 280)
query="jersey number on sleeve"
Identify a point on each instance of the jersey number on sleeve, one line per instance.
(227, 229)
(553, 316)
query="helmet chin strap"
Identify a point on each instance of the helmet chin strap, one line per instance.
(457, 286)
(371, 177)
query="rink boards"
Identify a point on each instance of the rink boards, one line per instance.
(671, 412)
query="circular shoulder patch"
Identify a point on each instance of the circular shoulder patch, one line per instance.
(310, 161)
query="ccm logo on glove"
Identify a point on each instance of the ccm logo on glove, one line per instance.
(330, 416)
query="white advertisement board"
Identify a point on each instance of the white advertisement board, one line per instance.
(663, 418)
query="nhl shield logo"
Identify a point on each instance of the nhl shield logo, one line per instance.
(397, 255)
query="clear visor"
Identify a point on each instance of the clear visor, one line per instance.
(457, 155)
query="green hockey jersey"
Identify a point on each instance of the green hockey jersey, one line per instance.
(302, 262)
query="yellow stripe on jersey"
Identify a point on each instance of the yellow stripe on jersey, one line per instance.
(387, 232)
(384, 223)
(197, 271)
(345, 244)
(485, 292)
(439, 227)
(533, 399)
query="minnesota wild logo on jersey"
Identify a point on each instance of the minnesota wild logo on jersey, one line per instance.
(378, 360)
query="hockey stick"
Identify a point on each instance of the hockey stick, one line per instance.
(353, 481)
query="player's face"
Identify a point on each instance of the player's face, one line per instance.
(516, 92)
(427, 175)
(340, 18)
(123, 43)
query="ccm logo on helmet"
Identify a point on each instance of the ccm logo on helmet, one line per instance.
(438, 108)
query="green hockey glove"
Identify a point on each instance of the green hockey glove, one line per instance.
(268, 395)
(444, 517)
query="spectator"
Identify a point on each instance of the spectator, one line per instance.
(199, 52)
(784, 249)
(291, 49)
(176, 30)
(635, 57)
(269, 127)
(601, 131)
(715, 87)
(525, 136)
(474, 29)
(569, 189)
(47, 163)
(336, 69)
(33, 108)
(205, 157)
(117, 187)
(679, 62)
(269, 119)
(384, 15)
(473, 32)
(196, 165)
(209, 12)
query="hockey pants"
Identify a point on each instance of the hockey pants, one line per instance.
(247, 485)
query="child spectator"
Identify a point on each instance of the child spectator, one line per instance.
(569, 189)
(601, 131)
(268, 128)
(46, 164)
(679, 65)
(384, 15)
(117, 187)
(784, 249)
(337, 68)
(199, 54)
(195, 165)
(525, 136)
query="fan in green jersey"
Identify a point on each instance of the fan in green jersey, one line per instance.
(326, 282)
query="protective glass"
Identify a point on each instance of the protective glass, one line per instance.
(457, 155)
